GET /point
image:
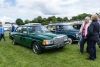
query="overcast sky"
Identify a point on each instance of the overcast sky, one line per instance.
(10, 10)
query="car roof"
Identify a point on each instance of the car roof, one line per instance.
(28, 25)
(33, 24)
(58, 24)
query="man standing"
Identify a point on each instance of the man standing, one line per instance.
(98, 42)
(11, 30)
(99, 19)
(2, 33)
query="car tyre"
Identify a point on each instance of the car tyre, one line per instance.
(70, 40)
(36, 48)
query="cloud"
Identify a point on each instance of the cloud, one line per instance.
(1, 3)
(45, 6)
(6, 19)
(29, 9)
(70, 1)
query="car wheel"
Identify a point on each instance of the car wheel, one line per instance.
(70, 40)
(14, 42)
(36, 48)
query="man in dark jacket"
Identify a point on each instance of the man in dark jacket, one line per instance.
(98, 42)
(92, 37)
(11, 30)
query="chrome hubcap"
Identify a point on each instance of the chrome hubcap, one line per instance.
(70, 41)
(35, 48)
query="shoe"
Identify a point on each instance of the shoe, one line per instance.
(89, 59)
(87, 53)
(80, 53)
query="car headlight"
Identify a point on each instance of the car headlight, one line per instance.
(65, 38)
(47, 42)
(77, 36)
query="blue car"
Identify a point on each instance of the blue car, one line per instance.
(64, 28)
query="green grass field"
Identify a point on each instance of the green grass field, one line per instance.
(20, 56)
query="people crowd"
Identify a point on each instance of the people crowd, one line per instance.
(2, 31)
(90, 32)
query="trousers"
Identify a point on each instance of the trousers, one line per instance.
(82, 42)
(2, 36)
(92, 49)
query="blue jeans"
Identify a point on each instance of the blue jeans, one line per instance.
(82, 42)
(92, 49)
(2, 36)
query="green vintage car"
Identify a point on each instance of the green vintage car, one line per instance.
(38, 37)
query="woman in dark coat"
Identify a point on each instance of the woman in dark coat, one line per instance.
(92, 37)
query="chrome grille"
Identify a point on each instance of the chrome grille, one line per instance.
(59, 41)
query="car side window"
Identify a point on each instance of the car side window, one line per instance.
(24, 30)
(52, 28)
(60, 28)
(31, 29)
(18, 29)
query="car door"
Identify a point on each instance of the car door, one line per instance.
(16, 34)
(31, 32)
(24, 35)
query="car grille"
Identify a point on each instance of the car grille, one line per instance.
(59, 41)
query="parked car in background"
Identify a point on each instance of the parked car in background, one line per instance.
(64, 28)
(38, 37)
(77, 26)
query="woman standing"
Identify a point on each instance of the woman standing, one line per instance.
(83, 32)
(92, 37)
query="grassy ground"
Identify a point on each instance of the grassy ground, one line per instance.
(20, 56)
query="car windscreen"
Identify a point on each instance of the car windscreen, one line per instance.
(69, 27)
(38, 29)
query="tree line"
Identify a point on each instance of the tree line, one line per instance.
(52, 19)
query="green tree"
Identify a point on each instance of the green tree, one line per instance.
(39, 18)
(35, 20)
(44, 19)
(7, 22)
(19, 21)
(59, 19)
(65, 19)
(74, 18)
(80, 16)
(26, 21)
(30, 21)
(52, 19)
